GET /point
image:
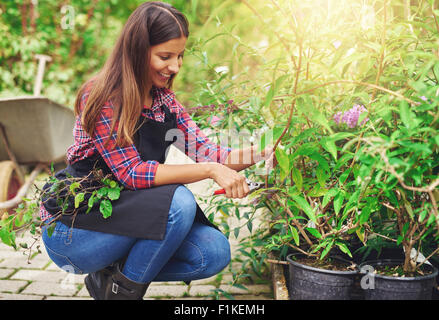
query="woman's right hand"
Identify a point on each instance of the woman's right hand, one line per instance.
(230, 180)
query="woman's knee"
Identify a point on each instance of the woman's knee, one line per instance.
(183, 205)
(217, 251)
(223, 255)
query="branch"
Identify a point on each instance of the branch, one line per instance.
(276, 197)
(362, 84)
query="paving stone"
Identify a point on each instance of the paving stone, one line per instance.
(166, 291)
(50, 288)
(259, 288)
(4, 273)
(13, 296)
(22, 262)
(83, 293)
(12, 286)
(11, 253)
(53, 267)
(201, 290)
(211, 280)
(233, 290)
(39, 275)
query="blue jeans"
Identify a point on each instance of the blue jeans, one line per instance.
(189, 250)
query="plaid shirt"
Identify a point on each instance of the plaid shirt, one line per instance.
(125, 162)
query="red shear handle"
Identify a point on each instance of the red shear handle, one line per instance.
(222, 191)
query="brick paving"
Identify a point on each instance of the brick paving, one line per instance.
(32, 276)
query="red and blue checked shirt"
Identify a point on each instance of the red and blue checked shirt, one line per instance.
(125, 162)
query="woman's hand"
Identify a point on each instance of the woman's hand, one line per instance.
(231, 181)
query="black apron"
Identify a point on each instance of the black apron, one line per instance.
(140, 213)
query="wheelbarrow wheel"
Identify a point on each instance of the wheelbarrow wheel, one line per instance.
(9, 182)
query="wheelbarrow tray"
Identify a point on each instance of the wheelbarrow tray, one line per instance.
(38, 130)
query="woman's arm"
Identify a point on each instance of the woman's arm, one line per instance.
(234, 183)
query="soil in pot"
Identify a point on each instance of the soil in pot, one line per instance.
(310, 279)
(382, 280)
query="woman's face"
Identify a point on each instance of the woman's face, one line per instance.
(166, 60)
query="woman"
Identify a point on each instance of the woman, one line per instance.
(157, 231)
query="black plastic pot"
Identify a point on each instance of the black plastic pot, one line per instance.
(309, 283)
(381, 287)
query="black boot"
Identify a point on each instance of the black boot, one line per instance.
(97, 282)
(111, 284)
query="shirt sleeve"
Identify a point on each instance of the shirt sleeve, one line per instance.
(196, 145)
(124, 162)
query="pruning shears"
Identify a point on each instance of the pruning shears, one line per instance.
(251, 185)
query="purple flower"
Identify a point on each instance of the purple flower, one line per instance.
(337, 117)
(424, 98)
(350, 117)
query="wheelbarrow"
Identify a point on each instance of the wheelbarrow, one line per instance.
(34, 132)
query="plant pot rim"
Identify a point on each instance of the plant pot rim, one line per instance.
(372, 263)
(306, 267)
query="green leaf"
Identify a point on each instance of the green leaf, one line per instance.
(327, 249)
(344, 248)
(297, 178)
(78, 199)
(114, 194)
(73, 187)
(106, 208)
(284, 162)
(338, 202)
(236, 232)
(91, 201)
(344, 176)
(340, 136)
(317, 191)
(321, 176)
(295, 235)
(365, 213)
(328, 196)
(304, 205)
(250, 226)
(102, 192)
(409, 209)
(7, 237)
(408, 117)
(269, 96)
(314, 232)
(431, 219)
(329, 145)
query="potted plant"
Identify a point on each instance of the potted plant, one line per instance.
(314, 207)
(399, 164)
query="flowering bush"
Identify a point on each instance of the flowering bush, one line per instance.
(322, 200)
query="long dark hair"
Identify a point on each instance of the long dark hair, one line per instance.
(124, 77)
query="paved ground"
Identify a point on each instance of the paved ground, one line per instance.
(33, 276)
